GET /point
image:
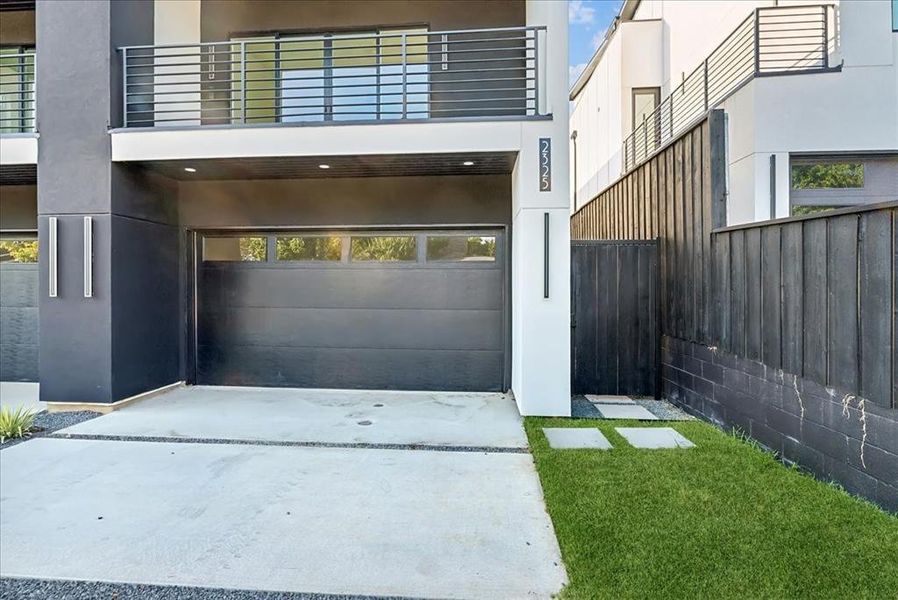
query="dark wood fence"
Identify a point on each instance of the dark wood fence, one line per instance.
(815, 295)
(615, 339)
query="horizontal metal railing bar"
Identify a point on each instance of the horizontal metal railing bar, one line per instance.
(341, 105)
(351, 37)
(322, 97)
(207, 83)
(382, 85)
(284, 55)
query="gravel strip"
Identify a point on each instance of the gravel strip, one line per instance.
(240, 442)
(664, 410)
(46, 423)
(581, 408)
(41, 589)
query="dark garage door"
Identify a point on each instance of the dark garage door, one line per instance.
(374, 310)
(18, 309)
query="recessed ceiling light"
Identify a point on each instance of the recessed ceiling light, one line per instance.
(468, 163)
(323, 166)
(190, 169)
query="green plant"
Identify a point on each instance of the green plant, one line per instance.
(21, 251)
(15, 423)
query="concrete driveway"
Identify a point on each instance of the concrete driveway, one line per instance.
(318, 504)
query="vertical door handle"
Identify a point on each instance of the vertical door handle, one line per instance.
(88, 257)
(52, 242)
(546, 255)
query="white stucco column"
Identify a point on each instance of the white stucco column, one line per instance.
(541, 349)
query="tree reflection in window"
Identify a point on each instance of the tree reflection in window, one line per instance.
(18, 251)
(239, 249)
(827, 175)
(309, 248)
(461, 248)
(384, 248)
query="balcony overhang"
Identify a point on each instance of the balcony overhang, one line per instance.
(289, 140)
(18, 149)
(322, 166)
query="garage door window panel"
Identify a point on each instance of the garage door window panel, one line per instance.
(309, 248)
(235, 249)
(18, 250)
(461, 248)
(384, 248)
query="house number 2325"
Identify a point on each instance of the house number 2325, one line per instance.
(545, 164)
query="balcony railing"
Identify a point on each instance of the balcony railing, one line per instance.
(770, 41)
(16, 92)
(401, 75)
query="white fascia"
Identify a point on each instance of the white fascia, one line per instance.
(320, 140)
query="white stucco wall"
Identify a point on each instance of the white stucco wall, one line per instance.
(855, 110)
(848, 111)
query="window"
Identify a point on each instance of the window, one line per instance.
(16, 89)
(443, 248)
(827, 175)
(825, 182)
(894, 15)
(384, 248)
(235, 249)
(358, 76)
(645, 101)
(309, 248)
(18, 250)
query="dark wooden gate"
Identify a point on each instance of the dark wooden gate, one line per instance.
(615, 337)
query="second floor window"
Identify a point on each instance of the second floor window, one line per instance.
(360, 76)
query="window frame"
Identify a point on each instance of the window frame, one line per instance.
(878, 168)
(276, 38)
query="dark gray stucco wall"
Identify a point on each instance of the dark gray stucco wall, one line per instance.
(17, 28)
(124, 340)
(346, 202)
(18, 207)
(223, 18)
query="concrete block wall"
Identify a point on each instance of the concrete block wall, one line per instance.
(833, 435)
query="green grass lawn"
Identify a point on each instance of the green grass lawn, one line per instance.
(722, 520)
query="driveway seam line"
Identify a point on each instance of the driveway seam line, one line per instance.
(285, 443)
(175, 592)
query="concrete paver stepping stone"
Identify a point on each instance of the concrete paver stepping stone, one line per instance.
(595, 399)
(564, 438)
(654, 437)
(624, 411)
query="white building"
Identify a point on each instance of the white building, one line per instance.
(810, 91)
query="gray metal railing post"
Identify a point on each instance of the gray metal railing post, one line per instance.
(705, 69)
(757, 41)
(537, 93)
(243, 82)
(645, 135)
(124, 88)
(405, 75)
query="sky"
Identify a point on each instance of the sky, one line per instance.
(587, 22)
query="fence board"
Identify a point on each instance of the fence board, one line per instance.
(792, 274)
(753, 294)
(771, 305)
(875, 280)
(842, 290)
(815, 301)
(737, 292)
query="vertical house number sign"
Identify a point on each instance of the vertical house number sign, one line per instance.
(545, 164)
